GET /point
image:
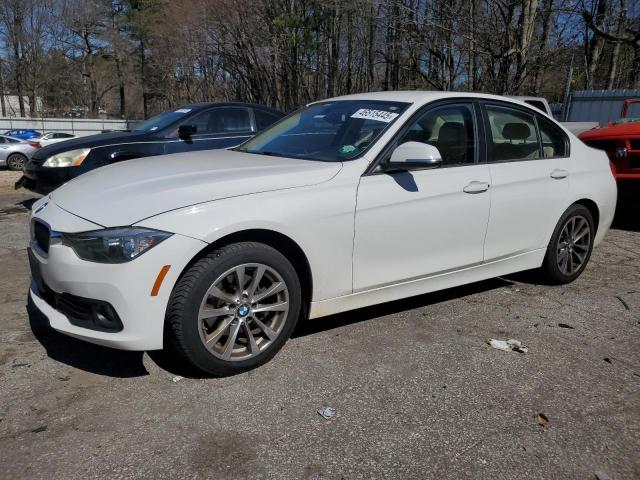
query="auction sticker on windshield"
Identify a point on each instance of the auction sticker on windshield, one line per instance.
(379, 115)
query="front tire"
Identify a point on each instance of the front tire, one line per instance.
(16, 162)
(233, 309)
(570, 246)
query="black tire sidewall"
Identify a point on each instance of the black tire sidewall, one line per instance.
(553, 272)
(225, 260)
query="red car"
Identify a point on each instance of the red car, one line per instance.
(621, 141)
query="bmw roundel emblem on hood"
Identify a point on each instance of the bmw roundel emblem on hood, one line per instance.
(41, 207)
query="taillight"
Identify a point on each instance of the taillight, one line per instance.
(35, 144)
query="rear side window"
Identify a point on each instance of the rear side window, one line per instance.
(554, 140)
(513, 135)
(264, 119)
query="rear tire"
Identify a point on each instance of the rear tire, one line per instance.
(233, 309)
(16, 162)
(570, 247)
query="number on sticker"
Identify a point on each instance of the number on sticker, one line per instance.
(378, 115)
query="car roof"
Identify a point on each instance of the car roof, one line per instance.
(201, 105)
(422, 96)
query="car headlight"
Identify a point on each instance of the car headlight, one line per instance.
(113, 245)
(72, 158)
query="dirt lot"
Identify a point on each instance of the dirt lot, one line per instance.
(418, 392)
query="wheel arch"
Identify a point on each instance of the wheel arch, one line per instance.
(593, 209)
(279, 241)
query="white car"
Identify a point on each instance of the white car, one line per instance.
(349, 202)
(50, 138)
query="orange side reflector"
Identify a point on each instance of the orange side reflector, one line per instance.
(159, 280)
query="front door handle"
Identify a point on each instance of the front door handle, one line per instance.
(476, 187)
(559, 174)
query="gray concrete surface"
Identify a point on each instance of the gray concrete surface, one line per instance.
(418, 392)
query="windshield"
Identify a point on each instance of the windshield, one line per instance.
(161, 120)
(329, 131)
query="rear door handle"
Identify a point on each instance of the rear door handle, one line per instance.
(476, 187)
(559, 174)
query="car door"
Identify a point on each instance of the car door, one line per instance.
(219, 127)
(528, 157)
(418, 223)
(4, 148)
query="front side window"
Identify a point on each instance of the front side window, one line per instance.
(162, 120)
(221, 120)
(554, 140)
(450, 129)
(328, 131)
(513, 135)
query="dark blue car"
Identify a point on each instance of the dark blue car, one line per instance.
(22, 133)
(201, 126)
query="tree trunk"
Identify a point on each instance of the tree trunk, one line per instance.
(121, 91)
(635, 71)
(613, 66)
(348, 80)
(18, 76)
(143, 79)
(527, 23)
(2, 92)
(546, 27)
(595, 45)
(471, 73)
(333, 41)
(371, 48)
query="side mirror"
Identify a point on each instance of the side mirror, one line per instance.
(413, 156)
(185, 131)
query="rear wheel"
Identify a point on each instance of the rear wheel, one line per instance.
(570, 246)
(16, 161)
(234, 308)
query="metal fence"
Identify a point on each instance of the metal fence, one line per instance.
(597, 105)
(75, 126)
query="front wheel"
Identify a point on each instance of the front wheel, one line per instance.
(570, 246)
(234, 308)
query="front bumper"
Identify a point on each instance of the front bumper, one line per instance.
(47, 175)
(126, 287)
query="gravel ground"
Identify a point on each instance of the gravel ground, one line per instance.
(417, 390)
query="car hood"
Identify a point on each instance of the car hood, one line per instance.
(90, 141)
(616, 130)
(128, 192)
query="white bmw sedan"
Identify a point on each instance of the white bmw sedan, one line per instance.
(349, 202)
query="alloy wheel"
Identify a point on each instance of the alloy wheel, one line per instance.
(243, 311)
(16, 162)
(573, 245)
